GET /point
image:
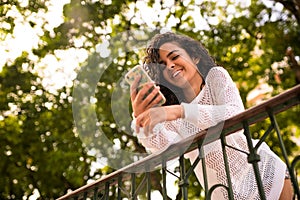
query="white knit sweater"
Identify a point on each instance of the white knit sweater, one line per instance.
(218, 101)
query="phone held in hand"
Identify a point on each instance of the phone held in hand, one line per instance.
(145, 78)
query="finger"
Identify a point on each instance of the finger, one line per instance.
(138, 103)
(139, 122)
(154, 119)
(143, 120)
(155, 97)
(141, 103)
(146, 127)
(151, 120)
(146, 89)
(148, 94)
(158, 100)
(134, 87)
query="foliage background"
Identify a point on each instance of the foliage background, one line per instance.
(40, 148)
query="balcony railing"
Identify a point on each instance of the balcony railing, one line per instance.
(115, 185)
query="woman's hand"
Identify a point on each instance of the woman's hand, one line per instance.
(155, 115)
(141, 98)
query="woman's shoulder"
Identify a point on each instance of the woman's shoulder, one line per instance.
(217, 68)
(216, 72)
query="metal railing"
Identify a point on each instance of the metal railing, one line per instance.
(115, 185)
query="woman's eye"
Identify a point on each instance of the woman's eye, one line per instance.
(175, 57)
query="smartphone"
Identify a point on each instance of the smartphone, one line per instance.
(145, 78)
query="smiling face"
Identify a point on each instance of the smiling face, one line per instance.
(179, 68)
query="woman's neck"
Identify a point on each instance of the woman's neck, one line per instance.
(193, 89)
(190, 95)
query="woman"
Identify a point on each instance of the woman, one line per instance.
(199, 95)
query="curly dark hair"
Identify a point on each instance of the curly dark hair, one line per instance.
(195, 50)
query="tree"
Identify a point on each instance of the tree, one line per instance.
(38, 146)
(39, 150)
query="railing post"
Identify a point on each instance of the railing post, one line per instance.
(254, 158)
(164, 178)
(133, 186)
(295, 182)
(202, 157)
(106, 195)
(183, 182)
(119, 187)
(95, 193)
(148, 180)
(284, 153)
(85, 195)
(148, 177)
(229, 188)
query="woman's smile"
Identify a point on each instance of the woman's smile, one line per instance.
(176, 73)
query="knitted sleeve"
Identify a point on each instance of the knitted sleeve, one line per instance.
(161, 137)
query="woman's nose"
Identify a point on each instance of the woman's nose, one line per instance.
(170, 65)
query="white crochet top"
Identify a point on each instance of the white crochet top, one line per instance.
(219, 100)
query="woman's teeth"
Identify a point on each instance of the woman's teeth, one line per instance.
(176, 73)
